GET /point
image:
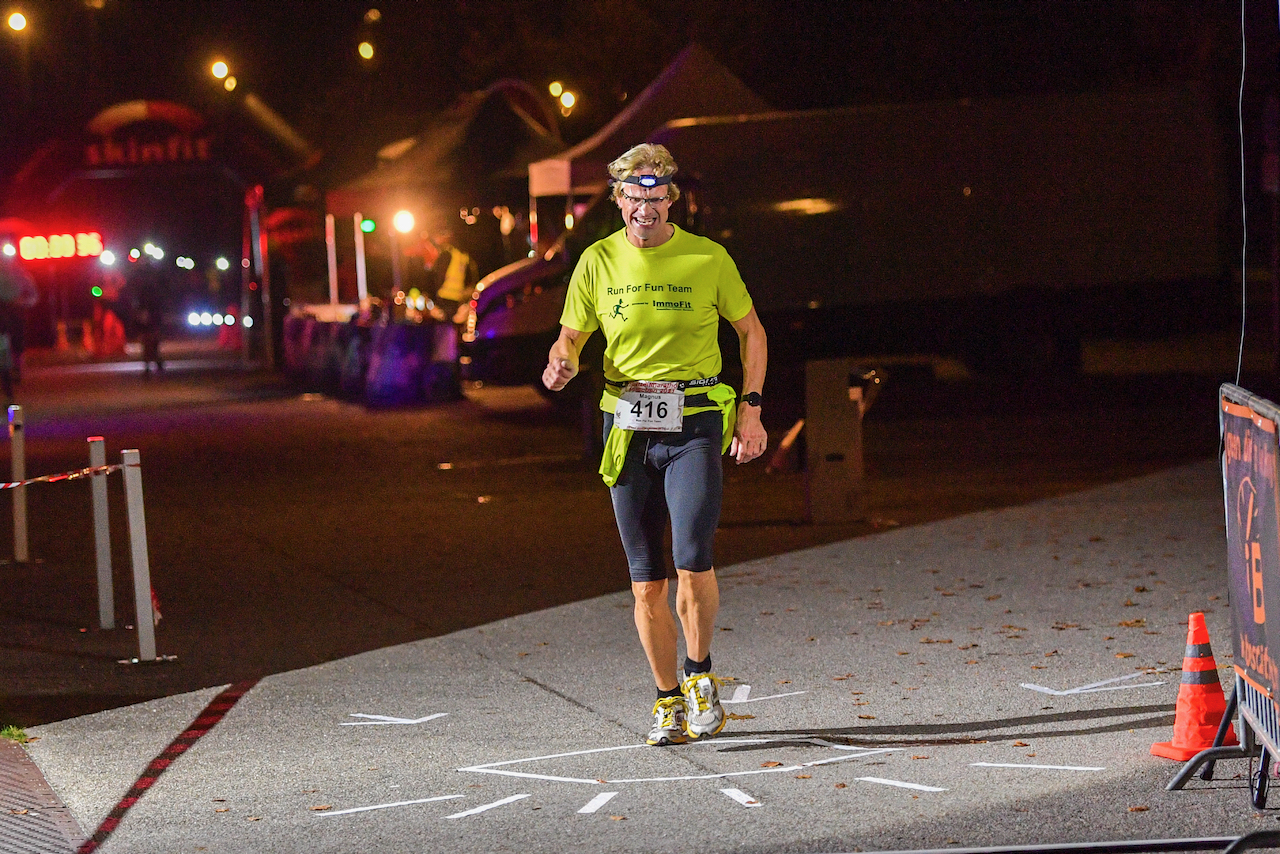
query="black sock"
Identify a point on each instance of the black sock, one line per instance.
(691, 667)
(674, 692)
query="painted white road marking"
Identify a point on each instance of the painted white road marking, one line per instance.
(741, 797)
(387, 720)
(1042, 767)
(597, 802)
(850, 753)
(742, 694)
(1104, 685)
(389, 806)
(901, 785)
(480, 809)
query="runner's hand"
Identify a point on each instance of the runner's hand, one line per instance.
(558, 373)
(749, 436)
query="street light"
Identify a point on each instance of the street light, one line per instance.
(229, 84)
(17, 22)
(219, 69)
(403, 221)
(366, 50)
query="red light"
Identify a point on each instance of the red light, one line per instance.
(81, 245)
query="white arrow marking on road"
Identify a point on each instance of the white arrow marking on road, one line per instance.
(597, 802)
(494, 767)
(389, 806)
(1104, 685)
(741, 797)
(742, 692)
(387, 720)
(481, 809)
(1041, 767)
(901, 785)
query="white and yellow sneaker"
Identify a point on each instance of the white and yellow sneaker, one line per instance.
(705, 715)
(668, 722)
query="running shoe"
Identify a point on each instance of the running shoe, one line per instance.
(702, 697)
(668, 722)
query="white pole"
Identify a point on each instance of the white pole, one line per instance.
(18, 445)
(102, 534)
(331, 244)
(362, 280)
(138, 547)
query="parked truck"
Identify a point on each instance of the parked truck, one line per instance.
(1001, 232)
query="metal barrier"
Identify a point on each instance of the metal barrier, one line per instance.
(130, 464)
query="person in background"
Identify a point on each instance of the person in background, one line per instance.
(17, 294)
(453, 275)
(148, 285)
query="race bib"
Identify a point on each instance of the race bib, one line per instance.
(656, 407)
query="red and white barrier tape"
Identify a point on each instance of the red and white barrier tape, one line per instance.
(66, 475)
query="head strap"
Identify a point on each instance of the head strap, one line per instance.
(647, 180)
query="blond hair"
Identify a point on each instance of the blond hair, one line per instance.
(646, 154)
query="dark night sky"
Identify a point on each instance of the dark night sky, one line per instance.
(300, 55)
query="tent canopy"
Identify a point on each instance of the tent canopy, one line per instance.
(486, 140)
(694, 84)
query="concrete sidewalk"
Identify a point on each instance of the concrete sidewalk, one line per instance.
(881, 704)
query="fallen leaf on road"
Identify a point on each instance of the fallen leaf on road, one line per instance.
(617, 818)
(1129, 603)
(1133, 624)
(734, 716)
(19, 812)
(1139, 809)
(322, 808)
(993, 597)
(766, 613)
(867, 717)
(223, 809)
(1124, 655)
(804, 776)
(919, 757)
(971, 661)
(1140, 589)
(842, 785)
(931, 640)
(1214, 598)
(1051, 652)
(770, 764)
(1020, 744)
(862, 702)
(254, 818)
(784, 681)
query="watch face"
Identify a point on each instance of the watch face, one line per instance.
(751, 398)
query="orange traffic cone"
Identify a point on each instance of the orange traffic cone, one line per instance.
(1201, 704)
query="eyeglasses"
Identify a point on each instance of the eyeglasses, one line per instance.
(639, 201)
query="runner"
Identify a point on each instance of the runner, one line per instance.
(657, 293)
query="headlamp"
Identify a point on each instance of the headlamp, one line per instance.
(647, 180)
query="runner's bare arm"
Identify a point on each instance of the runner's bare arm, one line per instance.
(562, 361)
(750, 439)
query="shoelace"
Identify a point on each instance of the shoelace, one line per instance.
(667, 708)
(699, 698)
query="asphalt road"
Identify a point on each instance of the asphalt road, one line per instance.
(289, 529)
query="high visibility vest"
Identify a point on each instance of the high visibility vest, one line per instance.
(454, 287)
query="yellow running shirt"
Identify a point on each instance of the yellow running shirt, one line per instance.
(658, 308)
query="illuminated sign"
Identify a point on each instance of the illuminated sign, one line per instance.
(81, 245)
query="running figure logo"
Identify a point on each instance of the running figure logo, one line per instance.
(617, 312)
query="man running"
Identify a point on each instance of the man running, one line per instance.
(668, 418)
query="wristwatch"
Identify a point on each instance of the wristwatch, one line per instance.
(751, 398)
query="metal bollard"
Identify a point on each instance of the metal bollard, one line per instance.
(138, 548)
(18, 446)
(102, 534)
(838, 393)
